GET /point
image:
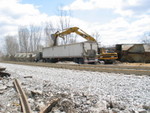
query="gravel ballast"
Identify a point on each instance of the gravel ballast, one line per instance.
(112, 92)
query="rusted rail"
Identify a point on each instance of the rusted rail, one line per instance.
(23, 99)
(49, 107)
(24, 103)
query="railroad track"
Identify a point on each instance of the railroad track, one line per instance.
(22, 96)
(24, 102)
(137, 70)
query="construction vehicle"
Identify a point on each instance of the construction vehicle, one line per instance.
(69, 31)
(107, 55)
(103, 55)
(84, 52)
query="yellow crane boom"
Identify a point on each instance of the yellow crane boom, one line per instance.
(69, 31)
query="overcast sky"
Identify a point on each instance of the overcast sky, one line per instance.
(117, 21)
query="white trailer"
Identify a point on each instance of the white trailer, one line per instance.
(84, 52)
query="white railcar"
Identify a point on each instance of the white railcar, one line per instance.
(84, 52)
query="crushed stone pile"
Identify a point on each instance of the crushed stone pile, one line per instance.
(75, 91)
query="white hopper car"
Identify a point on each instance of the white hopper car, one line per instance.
(84, 52)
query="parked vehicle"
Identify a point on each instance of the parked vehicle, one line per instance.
(84, 52)
(107, 55)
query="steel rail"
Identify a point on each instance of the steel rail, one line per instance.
(50, 106)
(23, 99)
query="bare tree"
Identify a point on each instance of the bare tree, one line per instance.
(73, 39)
(96, 35)
(34, 38)
(29, 38)
(11, 45)
(146, 39)
(23, 34)
(64, 22)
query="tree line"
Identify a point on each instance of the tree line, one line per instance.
(33, 38)
(27, 40)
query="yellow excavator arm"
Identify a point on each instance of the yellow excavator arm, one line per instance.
(72, 30)
(107, 57)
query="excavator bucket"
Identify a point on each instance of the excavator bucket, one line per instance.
(54, 38)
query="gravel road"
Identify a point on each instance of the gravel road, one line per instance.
(129, 93)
